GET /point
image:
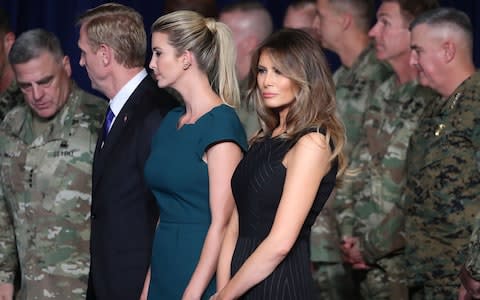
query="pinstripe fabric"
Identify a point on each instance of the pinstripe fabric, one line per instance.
(257, 186)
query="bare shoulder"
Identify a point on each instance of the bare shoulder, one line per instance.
(314, 140)
(311, 147)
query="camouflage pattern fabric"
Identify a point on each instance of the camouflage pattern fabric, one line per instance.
(443, 189)
(373, 195)
(9, 99)
(45, 196)
(472, 263)
(354, 88)
(331, 279)
(246, 112)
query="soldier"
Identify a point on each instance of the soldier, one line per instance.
(250, 23)
(361, 72)
(10, 94)
(443, 195)
(356, 81)
(372, 224)
(46, 153)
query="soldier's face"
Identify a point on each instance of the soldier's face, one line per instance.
(391, 34)
(245, 42)
(328, 24)
(45, 83)
(428, 56)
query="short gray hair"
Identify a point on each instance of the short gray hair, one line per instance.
(447, 17)
(32, 43)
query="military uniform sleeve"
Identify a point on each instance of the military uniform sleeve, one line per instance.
(343, 208)
(8, 250)
(386, 238)
(387, 185)
(472, 264)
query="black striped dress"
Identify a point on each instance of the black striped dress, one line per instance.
(257, 186)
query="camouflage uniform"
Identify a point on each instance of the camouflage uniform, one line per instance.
(45, 195)
(470, 271)
(375, 193)
(9, 99)
(331, 278)
(246, 112)
(443, 194)
(354, 88)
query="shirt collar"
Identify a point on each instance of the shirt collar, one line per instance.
(117, 102)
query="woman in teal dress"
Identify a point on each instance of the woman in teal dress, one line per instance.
(193, 154)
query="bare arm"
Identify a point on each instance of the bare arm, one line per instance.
(307, 162)
(228, 246)
(222, 160)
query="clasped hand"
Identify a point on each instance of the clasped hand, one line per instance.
(351, 253)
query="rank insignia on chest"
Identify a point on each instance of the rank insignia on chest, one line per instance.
(439, 129)
(455, 100)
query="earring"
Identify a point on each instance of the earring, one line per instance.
(186, 65)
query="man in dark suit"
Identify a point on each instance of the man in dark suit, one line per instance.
(123, 214)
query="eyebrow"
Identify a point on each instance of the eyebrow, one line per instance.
(382, 14)
(43, 80)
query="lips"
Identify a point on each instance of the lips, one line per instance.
(42, 106)
(268, 95)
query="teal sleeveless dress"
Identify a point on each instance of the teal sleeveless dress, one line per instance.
(178, 177)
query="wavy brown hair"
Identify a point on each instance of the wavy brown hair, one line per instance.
(299, 57)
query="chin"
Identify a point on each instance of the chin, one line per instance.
(45, 114)
(425, 82)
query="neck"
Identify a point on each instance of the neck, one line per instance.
(401, 66)
(198, 96)
(282, 126)
(119, 79)
(353, 46)
(456, 77)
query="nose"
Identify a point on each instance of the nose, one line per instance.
(82, 61)
(373, 31)
(267, 79)
(316, 23)
(151, 65)
(413, 58)
(37, 92)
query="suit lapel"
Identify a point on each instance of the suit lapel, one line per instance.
(115, 135)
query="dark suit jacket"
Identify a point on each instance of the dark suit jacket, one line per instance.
(124, 213)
